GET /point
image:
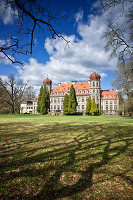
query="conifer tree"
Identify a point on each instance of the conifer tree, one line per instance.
(93, 109)
(88, 105)
(65, 105)
(72, 102)
(43, 101)
(43, 104)
(39, 100)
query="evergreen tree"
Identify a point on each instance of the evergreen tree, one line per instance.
(39, 100)
(93, 109)
(72, 102)
(43, 101)
(88, 105)
(65, 105)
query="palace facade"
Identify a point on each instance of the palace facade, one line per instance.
(108, 100)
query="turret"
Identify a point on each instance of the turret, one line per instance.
(48, 84)
(95, 88)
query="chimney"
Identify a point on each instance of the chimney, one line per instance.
(59, 84)
(80, 81)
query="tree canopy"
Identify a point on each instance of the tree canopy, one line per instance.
(65, 105)
(43, 104)
(72, 105)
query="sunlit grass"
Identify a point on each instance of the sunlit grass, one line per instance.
(66, 157)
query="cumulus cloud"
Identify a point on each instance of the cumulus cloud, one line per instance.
(75, 60)
(4, 78)
(7, 14)
(79, 16)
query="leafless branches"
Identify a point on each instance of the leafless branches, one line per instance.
(116, 41)
(32, 16)
(14, 91)
(119, 33)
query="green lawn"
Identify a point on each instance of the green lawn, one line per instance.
(66, 157)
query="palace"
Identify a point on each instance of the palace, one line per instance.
(108, 100)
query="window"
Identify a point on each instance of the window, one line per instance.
(68, 91)
(115, 96)
(106, 96)
(51, 107)
(111, 107)
(97, 97)
(62, 99)
(51, 100)
(111, 96)
(106, 102)
(110, 101)
(93, 90)
(58, 100)
(83, 107)
(87, 91)
(58, 107)
(54, 107)
(78, 99)
(55, 101)
(78, 107)
(82, 99)
(58, 93)
(106, 108)
(83, 91)
(93, 84)
(78, 91)
(115, 107)
(55, 93)
(115, 102)
(62, 93)
(61, 107)
(97, 84)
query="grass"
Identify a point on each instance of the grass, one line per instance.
(66, 157)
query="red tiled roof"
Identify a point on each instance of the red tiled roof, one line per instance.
(106, 94)
(66, 87)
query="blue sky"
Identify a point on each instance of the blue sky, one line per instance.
(63, 62)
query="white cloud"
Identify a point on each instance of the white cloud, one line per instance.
(79, 16)
(5, 60)
(4, 78)
(73, 61)
(7, 14)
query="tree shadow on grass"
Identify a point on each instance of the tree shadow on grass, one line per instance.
(53, 153)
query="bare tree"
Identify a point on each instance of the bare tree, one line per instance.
(29, 93)
(119, 36)
(124, 83)
(14, 91)
(32, 16)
